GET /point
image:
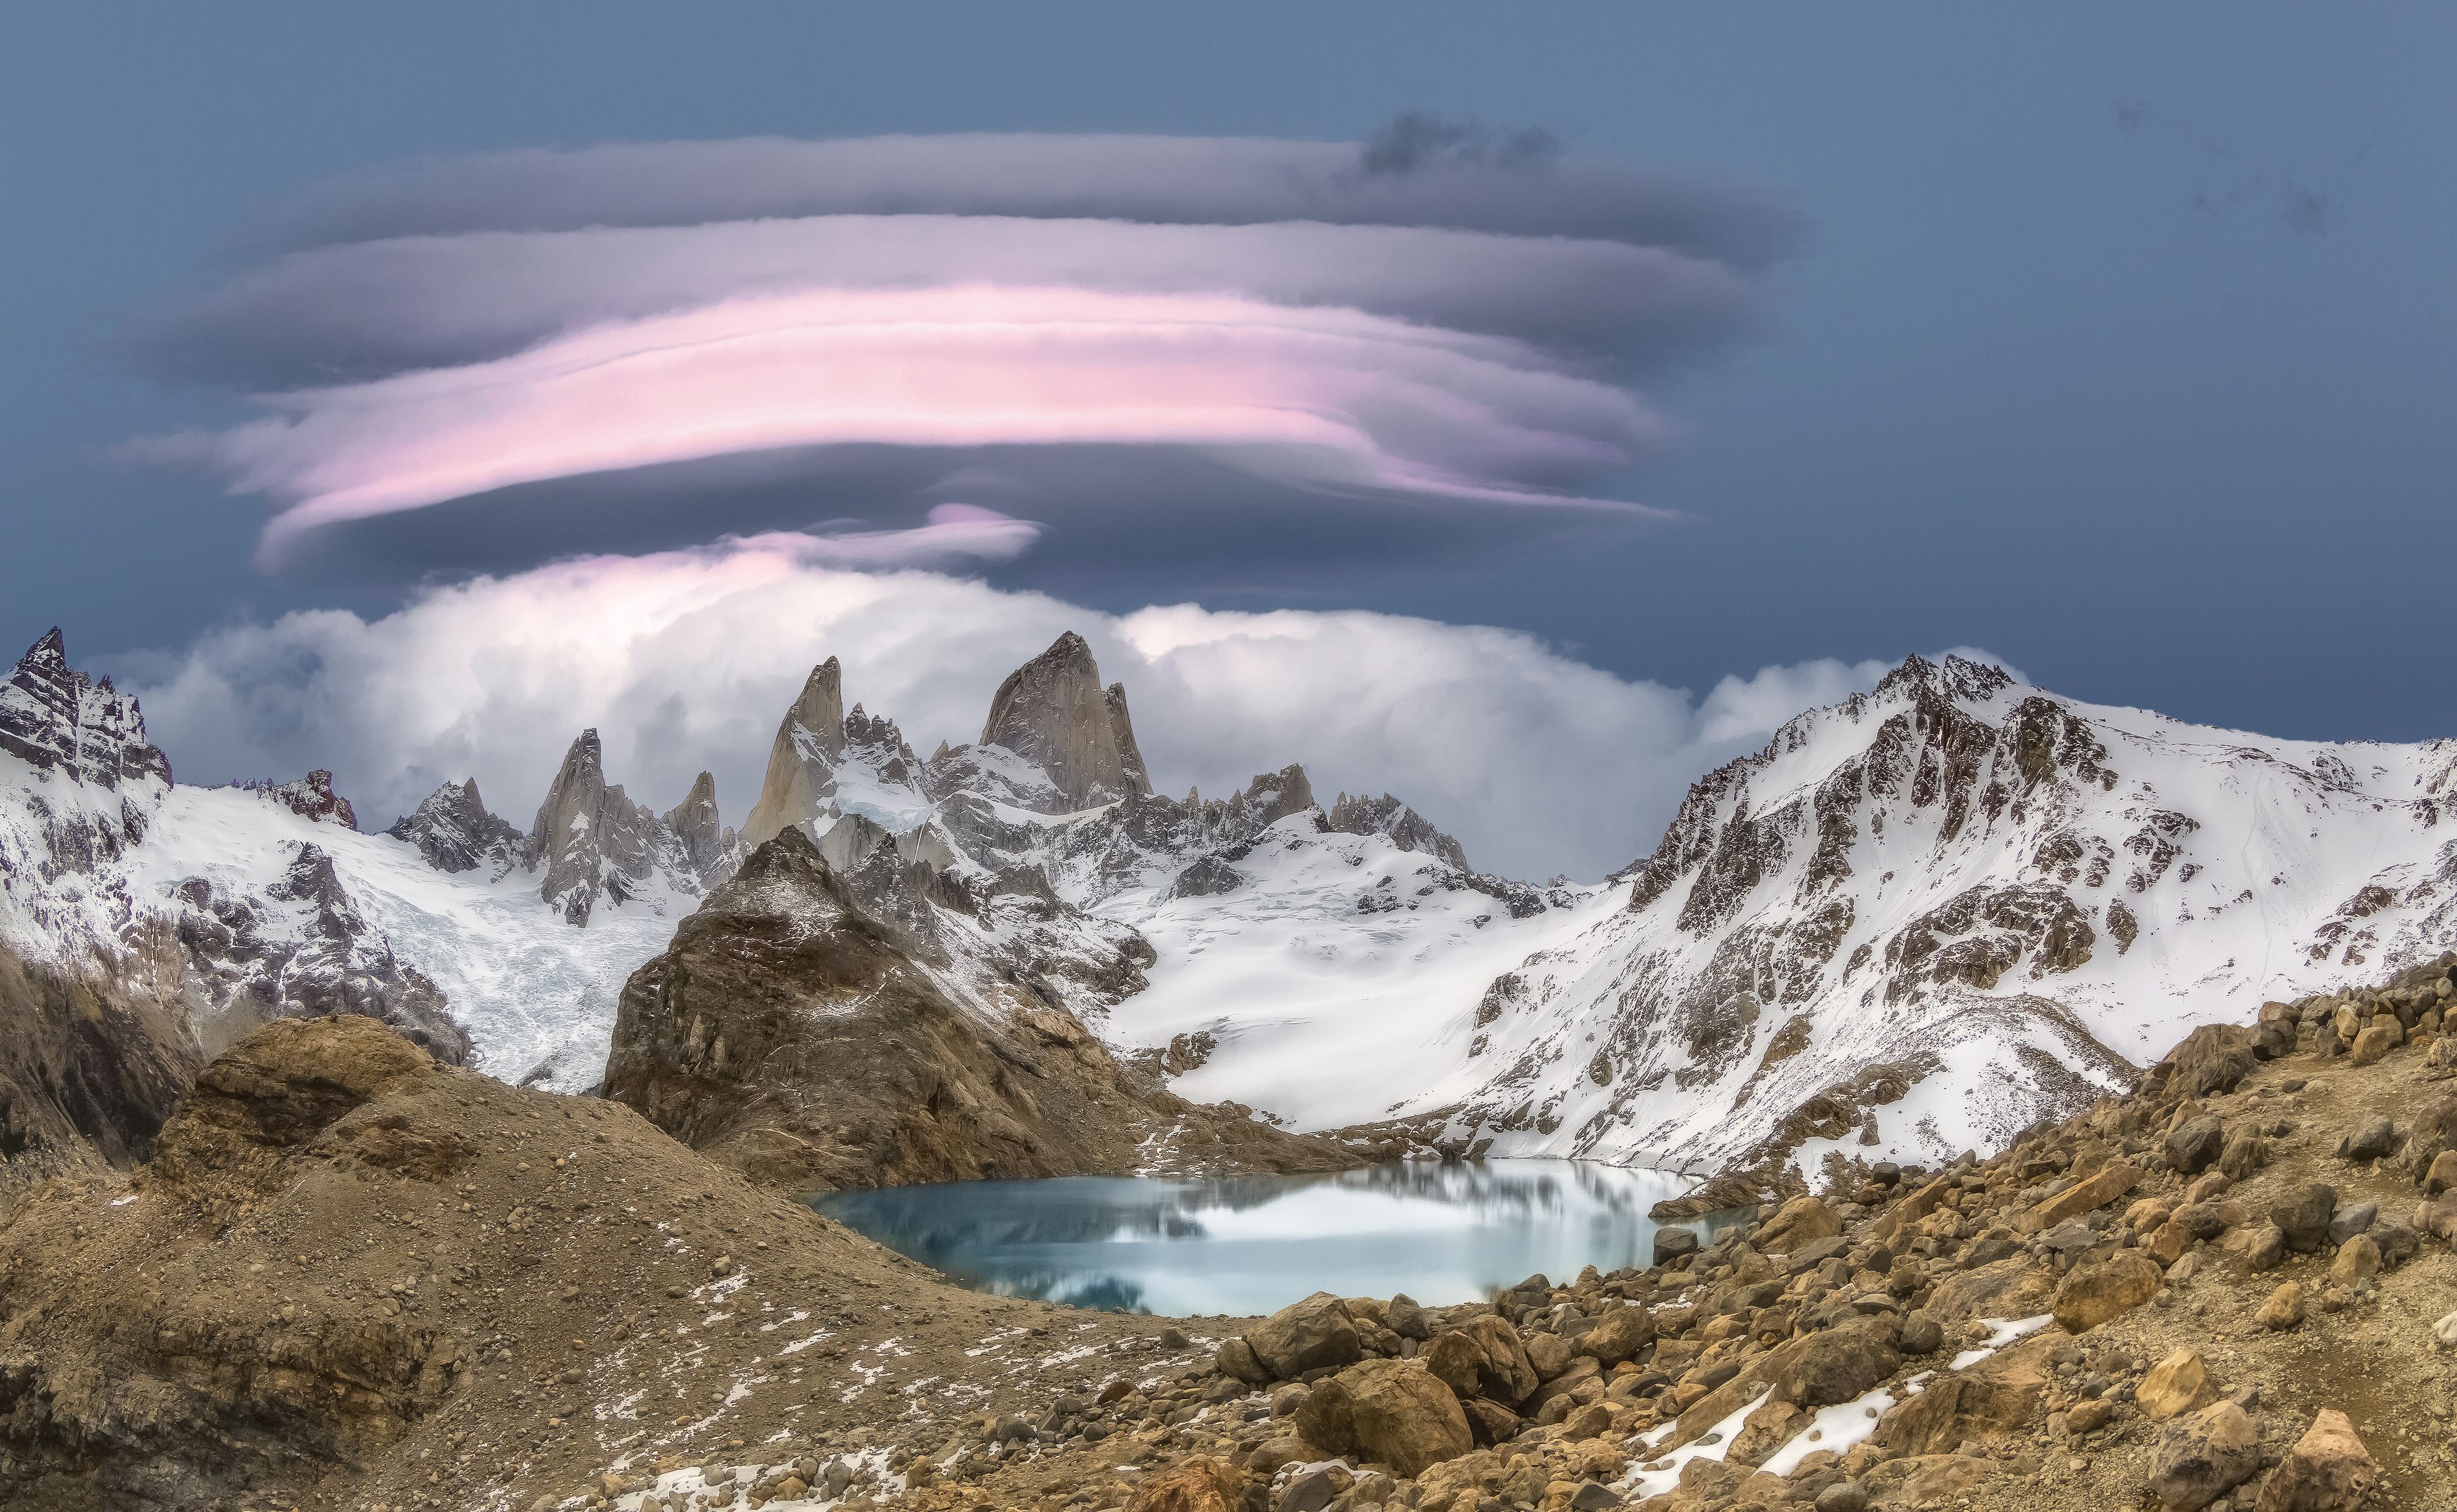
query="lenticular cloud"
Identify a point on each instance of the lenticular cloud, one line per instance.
(1428, 315)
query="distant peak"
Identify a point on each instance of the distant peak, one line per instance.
(1053, 712)
(47, 653)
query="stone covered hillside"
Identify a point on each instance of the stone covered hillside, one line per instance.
(2230, 1290)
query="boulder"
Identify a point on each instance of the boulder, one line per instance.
(1834, 1366)
(2204, 1454)
(2284, 1310)
(2213, 1058)
(1620, 1334)
(2178, 1384)
(1310, 1334)
(2194, 1145)
(1671, 1244)
(2442, 1174)
(2328, 1470)
(1392, 1412)
(1548, 1353)
(2354, 1218)
(2245, 1153)
(1236, 1360)
(1406, 1317)
(1797, 1222)
(2372, 1139)
(2302, 1215)
(2357, 1260)
(2376, 1039)
(2437, 1216)
(2092, 1193)
(2091, 1295)
(1490, 1421)
(1494, 1363)
(1196, 1485)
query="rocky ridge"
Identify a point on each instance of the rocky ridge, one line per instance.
(794, 1033)
(1952, 882)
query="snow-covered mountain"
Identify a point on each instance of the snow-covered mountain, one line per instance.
(239, 904)
(1911, 924)
(1917, 922)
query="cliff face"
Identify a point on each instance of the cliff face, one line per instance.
(1054, 713)
(801, 761)
(791, 1032)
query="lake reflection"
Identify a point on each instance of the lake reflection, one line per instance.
(1439, 1232)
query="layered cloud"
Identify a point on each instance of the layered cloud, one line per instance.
(686, 660)
(1433, 315)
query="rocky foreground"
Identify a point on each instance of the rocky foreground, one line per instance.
(353, 1277)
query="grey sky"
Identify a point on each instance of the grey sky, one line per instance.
(2120, 343)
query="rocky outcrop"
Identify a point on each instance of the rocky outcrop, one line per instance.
(709, 847)
(310, 797)
(302, 949)
(791, 1032)
(56, 718)
(455, 832)
(1402, 825)
(89, 1066)
(801, 761)
(1054, 713)
(594, 844)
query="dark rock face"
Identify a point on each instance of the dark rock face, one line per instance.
(791, 1032)
(709, 847)
(455, 832)
(1404, 826)
(303, 951)
(57, 718)
(89, 1069)
(310, 797)
(1053, 712)
(594, 842)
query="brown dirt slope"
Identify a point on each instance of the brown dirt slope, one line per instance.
(351, 1276)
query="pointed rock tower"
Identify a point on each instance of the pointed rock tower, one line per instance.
(1053, 712)
(802, 762)
(588, 837)
(53, 716)
(455, 832)
(712, 850)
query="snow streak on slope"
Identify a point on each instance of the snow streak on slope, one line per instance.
(1914, 922)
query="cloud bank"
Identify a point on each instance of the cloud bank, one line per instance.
(1433, 315)
(686, 660)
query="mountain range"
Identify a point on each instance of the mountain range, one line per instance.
(1917, 921)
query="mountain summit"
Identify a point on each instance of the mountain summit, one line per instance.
(1053, 713)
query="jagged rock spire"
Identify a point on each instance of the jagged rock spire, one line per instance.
(704, 837)
(455, 832)
(1053, 712)
(589, 836)
(57, 718)
(802, 761)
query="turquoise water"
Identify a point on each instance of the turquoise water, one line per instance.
(1443, 1233)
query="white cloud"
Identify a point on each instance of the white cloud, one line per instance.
(1539, 764)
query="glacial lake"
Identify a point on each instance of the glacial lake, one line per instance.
(1443, 1233)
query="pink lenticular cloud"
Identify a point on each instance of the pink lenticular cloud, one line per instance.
(1434, 314)
(1331, 397)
